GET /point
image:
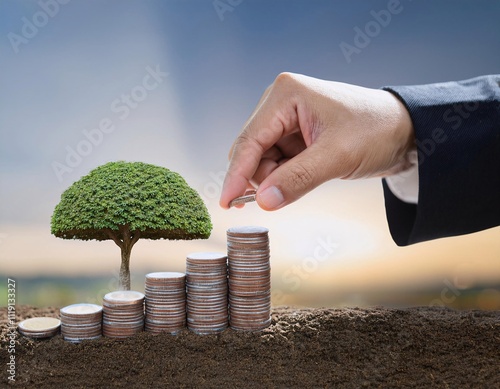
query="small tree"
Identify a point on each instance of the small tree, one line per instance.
(126, 201)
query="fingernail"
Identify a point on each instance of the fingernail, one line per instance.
(271, 198)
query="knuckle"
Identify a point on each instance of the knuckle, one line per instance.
(301, 176)
(288, 86)
(246, 148)
(243, 141)
(284, 78)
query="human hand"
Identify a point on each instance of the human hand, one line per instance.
(305, 131)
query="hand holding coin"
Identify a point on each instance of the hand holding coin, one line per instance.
(248, 197)
(305, 131)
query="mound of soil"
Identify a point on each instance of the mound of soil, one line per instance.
(345, 348)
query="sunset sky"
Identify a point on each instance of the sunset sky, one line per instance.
(60, 80)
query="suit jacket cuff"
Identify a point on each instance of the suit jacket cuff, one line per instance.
(457, 131)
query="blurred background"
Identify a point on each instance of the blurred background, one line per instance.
(67, 66)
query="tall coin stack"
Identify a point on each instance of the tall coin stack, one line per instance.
(81, 322)
(249, 278)
(206, 283)
(123, 314)
(165, 302)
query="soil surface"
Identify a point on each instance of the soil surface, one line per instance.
(305, 348)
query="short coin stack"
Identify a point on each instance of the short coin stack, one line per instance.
(206, 282)
(81, 322)
(249, 278)
(123, 314)
(165, 302)
(40, 327)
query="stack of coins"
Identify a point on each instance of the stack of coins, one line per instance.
(123, 314)
(165, 302)
(80, 322)
(249, 278)
(206, 282)
(39, 327)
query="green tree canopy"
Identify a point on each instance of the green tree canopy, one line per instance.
(125, 201)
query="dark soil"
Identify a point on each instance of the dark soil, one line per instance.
(345, 348)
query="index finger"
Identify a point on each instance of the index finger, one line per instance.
(261, 133)
(257, 108)
(242, 166)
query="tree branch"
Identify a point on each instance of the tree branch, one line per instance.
(135, 238)
(114, 237)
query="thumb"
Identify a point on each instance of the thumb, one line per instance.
(292, 180)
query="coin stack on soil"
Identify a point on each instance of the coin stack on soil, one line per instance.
(40, 327)
(206, 283)
(123, 314)
(81, 322)
(249, 279)
(165, 302)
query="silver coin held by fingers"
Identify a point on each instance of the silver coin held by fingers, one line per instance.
(248, 197)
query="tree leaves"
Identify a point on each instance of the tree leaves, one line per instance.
(146, 198)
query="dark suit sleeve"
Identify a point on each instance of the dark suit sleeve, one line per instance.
(457, 130)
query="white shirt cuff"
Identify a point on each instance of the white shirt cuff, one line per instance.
(404, 185)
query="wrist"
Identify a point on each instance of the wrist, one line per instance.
(403, 135)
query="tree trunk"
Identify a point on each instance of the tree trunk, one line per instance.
(125, 240)
(124, 282)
